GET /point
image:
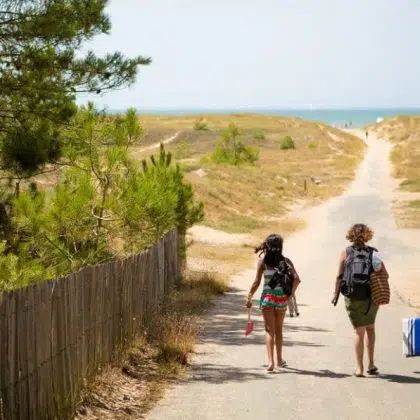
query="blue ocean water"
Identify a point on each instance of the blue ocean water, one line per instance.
(339, 117)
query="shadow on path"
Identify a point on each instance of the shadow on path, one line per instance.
(400, 379)
(217, 374)
(227, 324)
(324, 373)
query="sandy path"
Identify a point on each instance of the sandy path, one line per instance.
(157, 145)
(227, 380)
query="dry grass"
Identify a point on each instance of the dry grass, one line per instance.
(404, 134)
(408, 214)
(244, 199)
(158, 357)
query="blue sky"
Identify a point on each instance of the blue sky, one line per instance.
(267, 53)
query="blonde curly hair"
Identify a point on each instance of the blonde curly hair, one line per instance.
(359, 234)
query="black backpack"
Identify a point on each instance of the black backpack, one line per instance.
(355, 283)
(283, 277)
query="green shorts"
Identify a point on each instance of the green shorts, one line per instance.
(356, 310)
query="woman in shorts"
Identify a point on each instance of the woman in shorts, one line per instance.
(274, 300)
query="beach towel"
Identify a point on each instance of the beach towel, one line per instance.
(411, 337)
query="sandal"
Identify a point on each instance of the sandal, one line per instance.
(372, 371)
(283, 364)
(270, 370)
(358, 375)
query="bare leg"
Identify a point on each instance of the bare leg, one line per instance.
(358, 348)
(370, 344)
(279, 335)
(270, 325)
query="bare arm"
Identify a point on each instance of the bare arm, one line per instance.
(339, 277)
(257, 282)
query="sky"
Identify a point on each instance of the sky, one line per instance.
(266, 53)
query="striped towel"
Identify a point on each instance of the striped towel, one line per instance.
(411, 337)
(379, 286)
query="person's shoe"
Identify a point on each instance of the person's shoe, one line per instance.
(372, 371)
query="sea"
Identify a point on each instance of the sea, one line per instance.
(352, 118)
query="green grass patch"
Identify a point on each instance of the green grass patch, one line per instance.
(236, 224)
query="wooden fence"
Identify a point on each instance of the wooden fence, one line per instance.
(56, 335)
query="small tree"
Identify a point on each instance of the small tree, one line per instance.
(287, 143)
(229, 149)
(201, 125)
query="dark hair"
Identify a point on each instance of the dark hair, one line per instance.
(272, 248)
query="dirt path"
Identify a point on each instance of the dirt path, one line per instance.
(227, 380)
(157, 145)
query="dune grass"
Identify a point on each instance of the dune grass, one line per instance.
(156, 358)
(404, 134)
(243, 199)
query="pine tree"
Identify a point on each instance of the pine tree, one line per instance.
(41, 71)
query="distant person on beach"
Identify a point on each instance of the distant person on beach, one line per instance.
(280, 282)
(353, 281)
(367, 134)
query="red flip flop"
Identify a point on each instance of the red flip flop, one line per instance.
(249, 325)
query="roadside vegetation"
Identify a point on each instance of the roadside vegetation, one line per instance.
(404, 134)
(158, 357)
(102, 205)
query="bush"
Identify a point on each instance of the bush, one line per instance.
(287, 143)
(259, 135)
(201, 125)
(182, 150)
(232, 151)
(312, 146)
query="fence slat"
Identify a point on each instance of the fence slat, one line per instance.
(57, 335)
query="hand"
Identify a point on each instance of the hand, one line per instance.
(335, 299)
(249, 302)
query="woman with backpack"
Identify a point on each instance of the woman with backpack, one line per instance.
(280, 281)
(353, 281)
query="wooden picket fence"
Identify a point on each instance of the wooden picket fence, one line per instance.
(55, 336)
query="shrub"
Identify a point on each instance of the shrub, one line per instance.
(287, 143)
(312, 146)
(259, 135)
(232, 151)
(182, 150)
(201, 125)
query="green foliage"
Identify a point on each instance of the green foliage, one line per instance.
(312, 145)
(287, 143)
(201, 125)
(229, 149)
(103, 199)
(259, 135)
(182, 150)
(42, 68)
